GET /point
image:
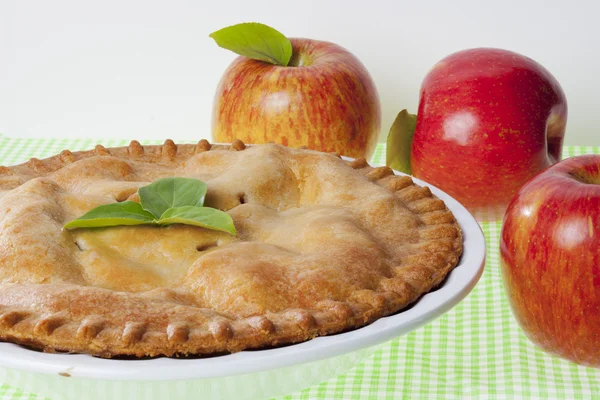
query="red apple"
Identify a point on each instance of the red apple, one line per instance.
(550, 259)
(488, 121)
(324, 99)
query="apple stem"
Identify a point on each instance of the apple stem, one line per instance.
(555, 145)
(299, 60)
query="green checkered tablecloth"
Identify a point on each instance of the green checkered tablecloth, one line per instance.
(474, 351)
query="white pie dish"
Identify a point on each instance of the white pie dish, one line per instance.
(247, 374)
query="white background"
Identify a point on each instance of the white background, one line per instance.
(148, 70)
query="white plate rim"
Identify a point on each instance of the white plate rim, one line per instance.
(455, 288)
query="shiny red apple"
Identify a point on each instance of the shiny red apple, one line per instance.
(324, 99)
(550, 259)
(488, 121)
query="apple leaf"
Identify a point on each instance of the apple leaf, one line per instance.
(255, 40)
(399, 142)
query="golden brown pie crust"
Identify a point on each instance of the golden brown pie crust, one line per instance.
(324, 245)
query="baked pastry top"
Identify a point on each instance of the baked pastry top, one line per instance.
(323, 245)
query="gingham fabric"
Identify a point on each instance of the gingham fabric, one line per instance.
(474, 351)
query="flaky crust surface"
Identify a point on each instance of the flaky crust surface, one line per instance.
(324, 245)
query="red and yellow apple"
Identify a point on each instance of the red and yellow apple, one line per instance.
(550, 259)
(323, 99)
(488, 121)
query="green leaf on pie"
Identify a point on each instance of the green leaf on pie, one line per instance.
(114, 214)
(164, 202)
(399, 142)
(255, 40)
(205, 217)
(166, 193)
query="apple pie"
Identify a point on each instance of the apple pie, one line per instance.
(322, 245)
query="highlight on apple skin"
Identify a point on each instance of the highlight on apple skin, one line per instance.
(550, 259)
(488, 121)
(325, 100)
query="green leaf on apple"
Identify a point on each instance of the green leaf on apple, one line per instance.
(257, 41)
(399, 142)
